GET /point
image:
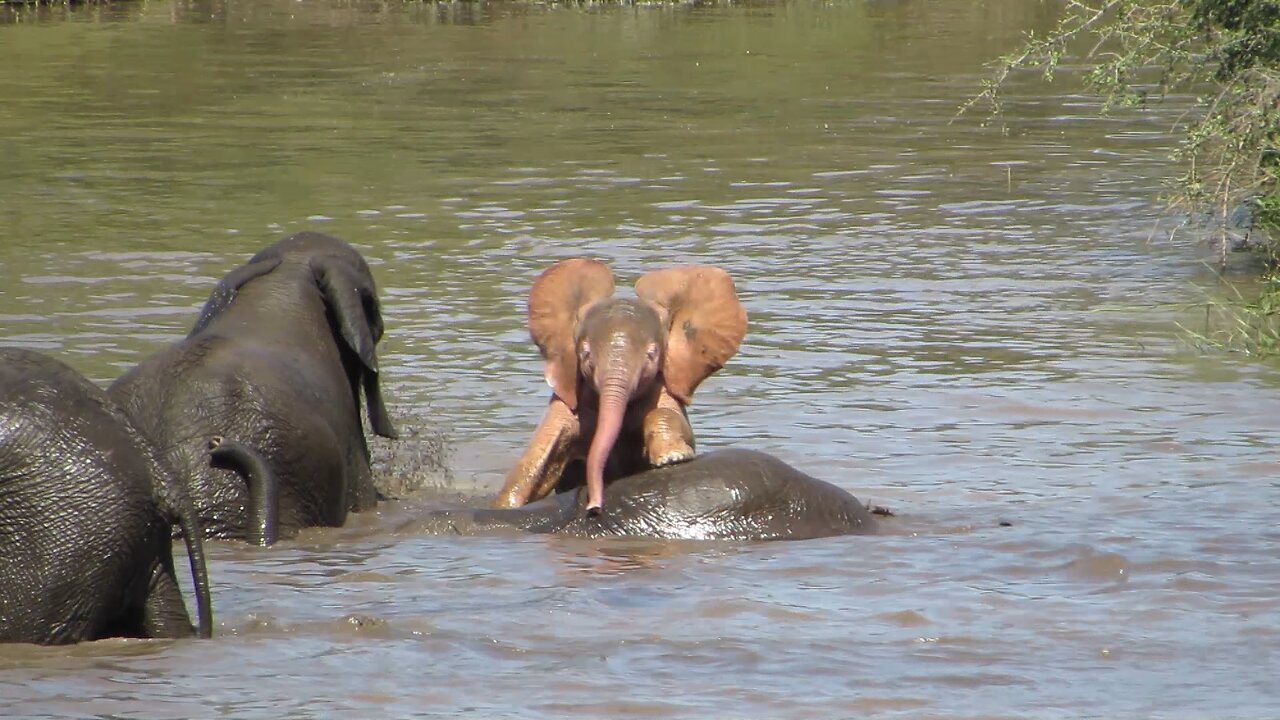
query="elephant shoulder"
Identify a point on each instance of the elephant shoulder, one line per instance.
(739, 493)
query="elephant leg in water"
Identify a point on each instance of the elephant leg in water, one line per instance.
(724, 495)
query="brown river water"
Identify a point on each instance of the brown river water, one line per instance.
(976, 328)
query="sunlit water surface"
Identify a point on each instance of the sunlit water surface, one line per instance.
(978, 329)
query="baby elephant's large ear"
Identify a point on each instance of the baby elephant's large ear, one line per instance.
(557, 301)
(705, 322)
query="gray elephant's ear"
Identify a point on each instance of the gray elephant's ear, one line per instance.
(705, 322)
(221, 297)
(557, 301)
(353, 301)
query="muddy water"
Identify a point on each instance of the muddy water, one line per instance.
(976, 328)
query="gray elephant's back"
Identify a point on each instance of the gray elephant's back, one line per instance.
(76, 504)
(53, 418)
(724, 495)
(733, 494)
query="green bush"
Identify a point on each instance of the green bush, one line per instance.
(1227, 52)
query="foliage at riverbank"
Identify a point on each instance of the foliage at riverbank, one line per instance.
(1238, 321)
(1226, 52)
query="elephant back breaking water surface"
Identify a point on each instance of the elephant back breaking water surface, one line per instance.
(977, 329)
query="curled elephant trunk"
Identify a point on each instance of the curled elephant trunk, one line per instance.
(613, 407)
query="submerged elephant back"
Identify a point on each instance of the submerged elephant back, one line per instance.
(726, 495)
(742, 495)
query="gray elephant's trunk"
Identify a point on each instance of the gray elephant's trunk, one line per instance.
(614, 396)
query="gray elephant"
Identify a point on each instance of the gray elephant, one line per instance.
(270, 378)
(86, 515)
(622, 370)
(732, 494)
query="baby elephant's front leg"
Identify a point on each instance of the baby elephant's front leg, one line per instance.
(535, 474)
(668, 438)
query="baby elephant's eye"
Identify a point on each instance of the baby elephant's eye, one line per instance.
(652, 352)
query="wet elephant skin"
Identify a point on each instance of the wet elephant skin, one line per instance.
(733, 494)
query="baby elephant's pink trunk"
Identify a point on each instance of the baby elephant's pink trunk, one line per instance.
(613, 406)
